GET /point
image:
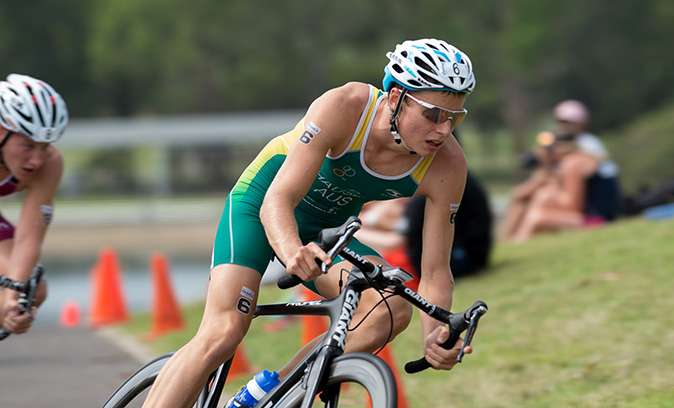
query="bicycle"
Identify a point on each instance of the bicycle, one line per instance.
(28, 291)
(325, 368)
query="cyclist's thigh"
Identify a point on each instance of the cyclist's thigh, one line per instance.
(230, 301)
(240, 238)
(329, 284)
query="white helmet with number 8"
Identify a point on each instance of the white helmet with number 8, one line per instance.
(33, 108)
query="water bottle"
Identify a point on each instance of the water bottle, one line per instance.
(256, 388)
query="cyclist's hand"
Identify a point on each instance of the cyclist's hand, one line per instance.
(15, 322)
(306, 262)
(438, 357)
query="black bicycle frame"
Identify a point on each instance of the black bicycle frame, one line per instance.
(340, 310)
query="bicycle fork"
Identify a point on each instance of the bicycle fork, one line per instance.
(314, 366)
(335, 343)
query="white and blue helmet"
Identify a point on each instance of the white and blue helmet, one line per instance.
(429, 64)
(33, 108)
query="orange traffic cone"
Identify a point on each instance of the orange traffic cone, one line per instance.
(312, 326)
(240, 366)
(386, 355)
(70, 314)
(166, 311)
(108, 305)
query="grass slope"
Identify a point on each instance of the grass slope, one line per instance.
(576, 319)
(643, 150)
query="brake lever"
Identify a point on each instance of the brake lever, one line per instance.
(23, 303)
(472, 327)
(341, 243)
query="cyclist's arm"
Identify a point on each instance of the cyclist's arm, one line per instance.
(36, 213)
(335, 113)
(443, 187)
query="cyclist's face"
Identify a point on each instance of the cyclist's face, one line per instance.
(23, 157)
(421, 127)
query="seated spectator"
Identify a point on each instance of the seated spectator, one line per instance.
(603, 191)
(601, 195)
(522, 195)
(555, 196)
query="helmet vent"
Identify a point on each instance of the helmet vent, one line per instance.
(23, 115)
(429, 79)
(52, 102)
(422, 64)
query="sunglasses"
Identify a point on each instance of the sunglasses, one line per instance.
(439, 115)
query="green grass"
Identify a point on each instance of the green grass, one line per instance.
(576, 319)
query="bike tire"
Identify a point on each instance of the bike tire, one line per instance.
(138, 382)
(371, 372)
(128, 393)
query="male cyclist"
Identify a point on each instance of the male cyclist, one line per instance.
(356, 144)
(32, 116)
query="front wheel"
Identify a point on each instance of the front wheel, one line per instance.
(371, 372)
(134, 390)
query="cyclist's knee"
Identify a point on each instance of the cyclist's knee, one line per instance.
(397, 316)
(216, 342)
(402, 316)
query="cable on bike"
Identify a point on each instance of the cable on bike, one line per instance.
(390, 315)
(383, 299)
(390, 312)
(372, 310)
(341, 278)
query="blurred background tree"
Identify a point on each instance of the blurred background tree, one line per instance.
(154, 57)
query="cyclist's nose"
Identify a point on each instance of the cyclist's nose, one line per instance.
(37, 158)
(445, 128)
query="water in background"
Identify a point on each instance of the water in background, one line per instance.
(73, 282)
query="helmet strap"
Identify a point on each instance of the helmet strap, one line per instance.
(394, 117)
(2, 144)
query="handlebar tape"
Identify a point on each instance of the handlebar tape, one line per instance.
(289, 281)
(4, 333)
(421, 364)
